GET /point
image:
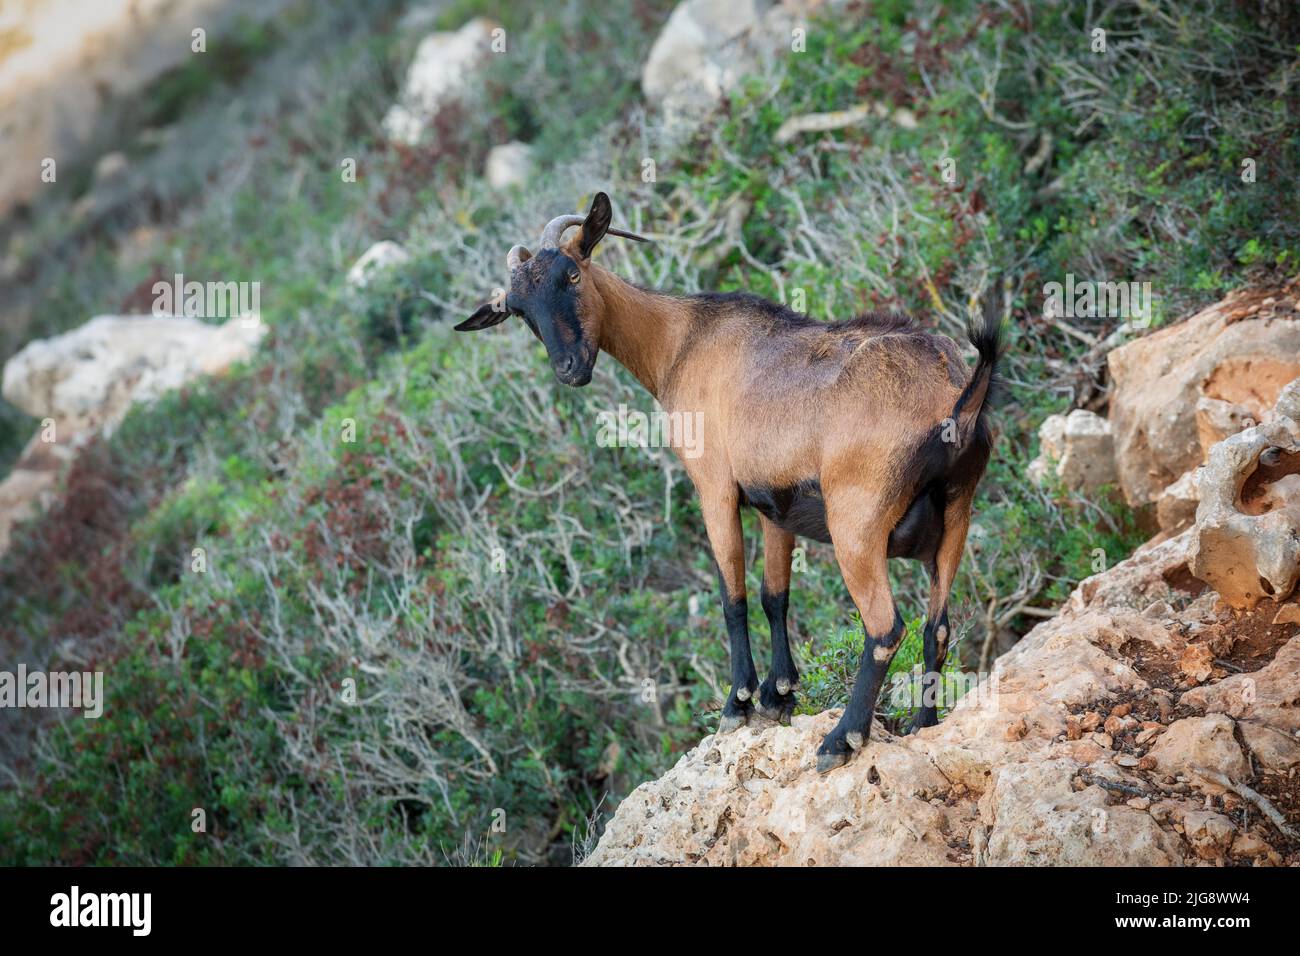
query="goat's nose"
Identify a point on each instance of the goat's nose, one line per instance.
(565, 365)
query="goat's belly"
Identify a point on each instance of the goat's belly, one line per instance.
(801, 510)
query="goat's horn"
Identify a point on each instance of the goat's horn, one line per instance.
(625, 235)
(516, 257)
(555, 229)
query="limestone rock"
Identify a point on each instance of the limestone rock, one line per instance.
(93, 374)
(380, 257)
(1176, 506)
(509, 164)
(1236, 353)
(1246, 544)
(707, 46)
(442, 69)
(1078, 449)
(1207, 741)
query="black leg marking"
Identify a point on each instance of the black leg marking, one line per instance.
(936, 652)
(776, 698)
(744, 679)
(854, 728)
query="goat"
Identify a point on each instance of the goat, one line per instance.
(867, 434)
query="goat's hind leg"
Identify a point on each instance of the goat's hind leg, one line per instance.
(862, 556)
(776, 697)
(956, 520)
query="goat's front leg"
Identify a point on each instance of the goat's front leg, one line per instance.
(776, 699)
(722, 521)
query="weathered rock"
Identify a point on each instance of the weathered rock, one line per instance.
(1245, 541)
(87, 379)
(707, 46)
(90, 376)
(1176, 506)
(509, 164)
(1273, 749)
(444, 66)
(1078, 449)
(1211, 834)
(1225, 353)
(1270, 695)
(379, 258)
(1208, 742)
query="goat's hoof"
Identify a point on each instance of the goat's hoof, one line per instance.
(921, 720)
(778, 715)
(828, 762)
(773, 703)
(730, 723)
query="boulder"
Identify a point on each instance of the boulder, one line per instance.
(1176, 506)
(1236, 354)
(444, 66)
(1246, 544)
(707, 47)
(90, 376)
(379, 258)
(508, 165)
(1208, 741)
(87, 379)
(1020, 771)
(1077, 449)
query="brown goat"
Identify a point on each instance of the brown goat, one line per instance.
(868, 434)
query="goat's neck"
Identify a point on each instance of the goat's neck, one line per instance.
(644, 331)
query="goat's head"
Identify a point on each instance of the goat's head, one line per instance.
(552, 292)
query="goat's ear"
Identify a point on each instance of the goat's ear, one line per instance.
(484, 317)
(595, 225)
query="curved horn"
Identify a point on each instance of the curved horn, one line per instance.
(516, 257)
(555, 229)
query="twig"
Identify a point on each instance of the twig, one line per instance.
(1258, 799)
(1112, 785)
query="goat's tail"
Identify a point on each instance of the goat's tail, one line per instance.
(986, 336)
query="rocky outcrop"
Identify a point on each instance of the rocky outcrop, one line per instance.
(1246, 544)
(442, 69)
(378, 259)
(508, 165)
(708, 46)
(1137, 727)
(89, 377)
(1078, 450)
(86, 380)
(1181, 389)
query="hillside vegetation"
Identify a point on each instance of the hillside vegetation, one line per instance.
(529, 620)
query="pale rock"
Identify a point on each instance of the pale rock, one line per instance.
(379, 258)
(1201, 742)
(1176, 506)
(442, 70)
(1248, 552)
(1077, 448)
(1273, 748)
(508, 165)
(707, 47)
(1222, 353)
(1210, 834)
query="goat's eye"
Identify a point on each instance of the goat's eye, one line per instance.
(575, 277)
